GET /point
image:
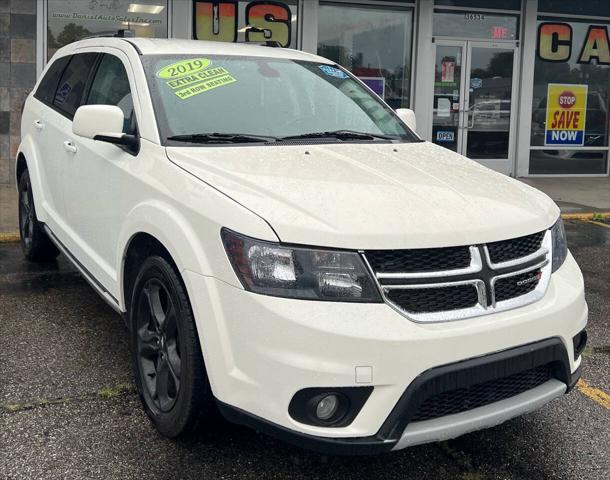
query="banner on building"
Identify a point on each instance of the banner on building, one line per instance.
(566, 111)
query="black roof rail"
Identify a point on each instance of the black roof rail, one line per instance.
(123, 33)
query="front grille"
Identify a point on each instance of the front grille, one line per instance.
(418, 260)
(515, 248)
(419, 300)
(507, 288)
(478, 395)
(440, 284)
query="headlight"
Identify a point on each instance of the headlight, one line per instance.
(560, 244)
(274, 269)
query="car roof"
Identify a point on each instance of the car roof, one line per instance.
(165, 46)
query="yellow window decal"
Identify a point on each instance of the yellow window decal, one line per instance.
(184, 67)
(192, 77)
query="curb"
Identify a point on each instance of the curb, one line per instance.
(584, 216)
(9, 237)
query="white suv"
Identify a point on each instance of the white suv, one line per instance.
(285, 249)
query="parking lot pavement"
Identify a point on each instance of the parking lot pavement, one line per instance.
(68, 409)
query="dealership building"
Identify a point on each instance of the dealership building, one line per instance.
(522, 86)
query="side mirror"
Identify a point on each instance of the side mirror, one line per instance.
(103, 123)
(408, 117)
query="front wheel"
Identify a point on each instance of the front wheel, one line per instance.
(35, 243)
(168, 364)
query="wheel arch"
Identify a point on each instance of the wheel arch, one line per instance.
(141, 246)
(20, 166)
(156, 227)
(27, 159)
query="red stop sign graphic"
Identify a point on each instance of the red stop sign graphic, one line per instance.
(567, 99)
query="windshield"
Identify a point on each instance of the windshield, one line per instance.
(220, 98)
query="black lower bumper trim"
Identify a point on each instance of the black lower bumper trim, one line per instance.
(326, 445)
(444, 378)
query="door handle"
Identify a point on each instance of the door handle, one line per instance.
(38, 124)
(68, 145)
(471, 120)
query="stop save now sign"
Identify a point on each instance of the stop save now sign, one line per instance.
(566, 111)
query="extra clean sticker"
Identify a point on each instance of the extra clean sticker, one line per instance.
(333, 71)
(192, 77)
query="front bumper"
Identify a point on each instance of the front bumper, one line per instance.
(260, 351)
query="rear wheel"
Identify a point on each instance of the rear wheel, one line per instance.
(35, 243)
(169, 370)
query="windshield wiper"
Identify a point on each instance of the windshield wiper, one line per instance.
(221, 138)
(341, 135)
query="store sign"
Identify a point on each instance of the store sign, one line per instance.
(445, 136)
(566, 111)
(261, 21)
(555, 44)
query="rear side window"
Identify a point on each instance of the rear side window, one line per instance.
(48, 85)
(72, 83)
(111, 87)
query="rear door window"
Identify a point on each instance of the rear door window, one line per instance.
(72, 83)
(48, 85)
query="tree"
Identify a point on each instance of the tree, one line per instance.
(71, 33)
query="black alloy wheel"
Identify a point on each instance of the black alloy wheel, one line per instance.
(35, 243)
(26, 215)
(158, 345)
(170, 373)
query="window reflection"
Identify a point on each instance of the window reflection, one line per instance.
(72, 20)
(597, 78)
(373, 43)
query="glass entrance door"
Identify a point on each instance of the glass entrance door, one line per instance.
(474, 84)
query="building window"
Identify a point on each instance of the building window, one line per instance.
(256, 21)
(374, 43)
(506, 4)
(71, 20)
(599, 8)
(475, 24)
(571, 98)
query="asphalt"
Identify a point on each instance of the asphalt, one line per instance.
(68, 408)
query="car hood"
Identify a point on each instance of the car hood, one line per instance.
(363, 196)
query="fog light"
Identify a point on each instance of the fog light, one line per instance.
(327, 407)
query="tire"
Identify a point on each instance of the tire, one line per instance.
(169, 370)
(35, 243)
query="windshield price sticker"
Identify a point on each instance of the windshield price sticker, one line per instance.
(221, 79)
(192, 77)
(333, 71)
(184, 67)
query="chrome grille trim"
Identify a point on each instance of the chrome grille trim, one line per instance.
(486, 299)
(539, 266)
(541, 252)
(476, 264)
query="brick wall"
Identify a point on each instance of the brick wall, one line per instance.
(17, 75)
